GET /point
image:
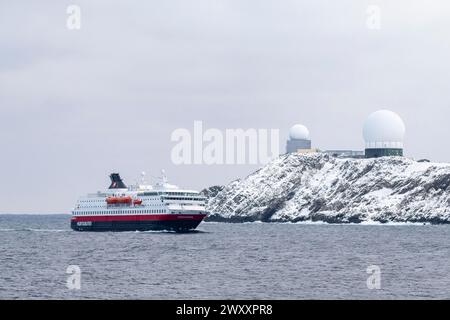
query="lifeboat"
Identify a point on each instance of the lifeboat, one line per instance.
(137, 202)
(124, 200)
(119, 200)
(112, 200)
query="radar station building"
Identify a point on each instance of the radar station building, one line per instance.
(384, 133)
(299, 140)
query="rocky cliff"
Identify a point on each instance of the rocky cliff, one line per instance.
(318, 187)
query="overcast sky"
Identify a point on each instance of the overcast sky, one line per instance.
(78, 104)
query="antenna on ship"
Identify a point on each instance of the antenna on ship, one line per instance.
(143, 174)
(163, 176)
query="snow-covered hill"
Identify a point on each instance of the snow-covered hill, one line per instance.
(319, 187)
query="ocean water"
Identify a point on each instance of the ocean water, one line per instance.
(223, 261)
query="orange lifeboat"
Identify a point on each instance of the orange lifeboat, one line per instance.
(137, 202)
(112, 200)
(124, 200)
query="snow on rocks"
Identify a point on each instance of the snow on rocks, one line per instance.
(319, 187)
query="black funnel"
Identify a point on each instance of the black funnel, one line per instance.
(116, 182)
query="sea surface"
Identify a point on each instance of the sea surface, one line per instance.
(224, 261)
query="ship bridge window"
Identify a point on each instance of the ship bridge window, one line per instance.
(147, 194)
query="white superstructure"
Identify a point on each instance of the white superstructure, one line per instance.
(142, 199)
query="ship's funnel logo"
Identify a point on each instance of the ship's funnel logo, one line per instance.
(116, 182)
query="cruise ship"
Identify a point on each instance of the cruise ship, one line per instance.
(140, 207)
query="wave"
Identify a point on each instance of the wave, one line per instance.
(310, 222)
(32, 230)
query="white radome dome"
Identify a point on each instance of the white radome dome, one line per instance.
(384, 128)
(299, 132)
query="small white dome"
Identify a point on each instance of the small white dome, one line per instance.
(384, 128)
(299, 132)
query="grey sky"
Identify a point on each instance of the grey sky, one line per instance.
(76, 105)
